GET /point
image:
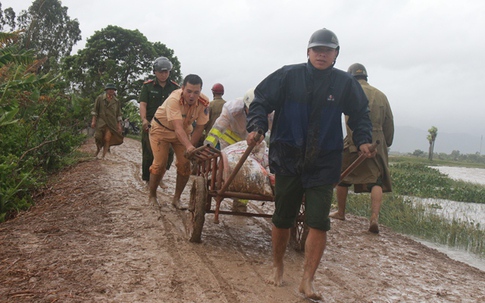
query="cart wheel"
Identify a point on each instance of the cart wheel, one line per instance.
(196, 211)
(299, 232)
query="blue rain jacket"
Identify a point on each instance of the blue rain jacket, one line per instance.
(306, 137)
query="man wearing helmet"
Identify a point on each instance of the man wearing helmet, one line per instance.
(305, 151)
(153, 94)
(215, 108)
(372, 175)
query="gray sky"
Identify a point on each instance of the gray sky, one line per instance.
(425, 55)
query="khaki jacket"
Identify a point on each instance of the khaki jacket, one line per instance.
(382, 130)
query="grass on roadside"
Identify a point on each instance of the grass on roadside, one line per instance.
(402, 215)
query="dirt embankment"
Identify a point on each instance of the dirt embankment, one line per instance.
(93, 237)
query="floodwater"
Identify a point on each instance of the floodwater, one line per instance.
(469, 212)
(474, 175)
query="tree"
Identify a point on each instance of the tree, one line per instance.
(433, 133)
(120, 56)
(49, 31)
(455, 155)
(7, 18)
(39, 125)
(418, 153)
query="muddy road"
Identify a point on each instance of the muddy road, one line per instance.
(93, 237)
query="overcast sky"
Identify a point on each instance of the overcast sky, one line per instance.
(427, 56)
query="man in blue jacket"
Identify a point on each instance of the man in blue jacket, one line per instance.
(306, 144)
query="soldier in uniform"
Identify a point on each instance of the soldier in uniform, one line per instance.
(153, 94)
(372, 175)
(173, 125)
(215, 107)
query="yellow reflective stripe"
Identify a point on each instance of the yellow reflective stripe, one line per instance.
(228, 139)
(229, 136)
(215, 132)
(233, 136)
(213, 136)
(212, 140)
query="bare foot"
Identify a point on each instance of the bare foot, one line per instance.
(162, 185)
(374, 227)
(276, 278)
(153, 200)
(306, 288)
(176, 204)
(337, 215)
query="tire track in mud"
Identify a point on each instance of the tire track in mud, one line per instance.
(252, 256)
(191, 260)
(212, 260)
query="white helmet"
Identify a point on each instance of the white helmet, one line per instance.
(248, 97)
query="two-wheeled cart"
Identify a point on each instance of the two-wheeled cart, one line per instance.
(209, 184)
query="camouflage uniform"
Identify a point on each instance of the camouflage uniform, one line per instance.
(153, 94)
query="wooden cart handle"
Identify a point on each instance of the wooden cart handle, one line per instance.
(358, 161)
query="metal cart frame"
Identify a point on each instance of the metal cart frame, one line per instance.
(209, 184)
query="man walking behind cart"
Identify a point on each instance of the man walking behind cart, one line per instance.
(373, 174)
(306, 145)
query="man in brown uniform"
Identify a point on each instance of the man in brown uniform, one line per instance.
(107, 120)
(373, 174)
(215, 109)
(172, 126)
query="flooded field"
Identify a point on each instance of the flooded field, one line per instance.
(475, 175)
(468, 212)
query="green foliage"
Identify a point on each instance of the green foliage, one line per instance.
(7, 18)
(420, 180)
(418, 153)
(39, 126)
(417, 179)
(116, 55)
(399, 212)
(470, 160)
(14, 186)
(132, 112)
(47, 29)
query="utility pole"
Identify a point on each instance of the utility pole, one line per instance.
(481, 140)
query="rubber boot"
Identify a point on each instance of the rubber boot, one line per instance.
(152, 186)
(179, 188)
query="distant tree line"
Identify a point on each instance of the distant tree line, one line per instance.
(46, 93)
(455, 155)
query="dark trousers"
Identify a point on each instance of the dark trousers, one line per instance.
(147, 157)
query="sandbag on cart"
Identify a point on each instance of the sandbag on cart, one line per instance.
(253, 176)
